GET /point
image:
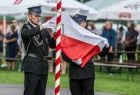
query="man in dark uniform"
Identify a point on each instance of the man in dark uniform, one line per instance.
(36, 40)
(81, 80)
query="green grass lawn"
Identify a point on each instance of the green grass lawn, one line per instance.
(104, 82)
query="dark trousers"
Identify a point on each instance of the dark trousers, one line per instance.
(131, 56)
(110, 57)
(35, 84)
(82, 86)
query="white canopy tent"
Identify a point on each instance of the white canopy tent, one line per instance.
(91, 14)
(9, 10)
(82, 8)
(10, 7)
(70, 6)
(18, 9)
(99, 4)
(125, 10)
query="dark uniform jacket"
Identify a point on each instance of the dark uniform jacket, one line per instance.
(36, 42)
(76, 72)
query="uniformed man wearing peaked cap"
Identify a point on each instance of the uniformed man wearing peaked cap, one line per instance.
(82, 79)
(37, 40)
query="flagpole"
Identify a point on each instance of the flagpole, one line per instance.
(58, 48)
(4, 45)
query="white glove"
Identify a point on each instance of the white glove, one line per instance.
(78, 62)
(49, 24)
(106, 43)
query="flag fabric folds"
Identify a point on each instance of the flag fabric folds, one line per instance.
(79, 44)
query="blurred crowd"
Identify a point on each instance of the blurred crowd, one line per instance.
(119, 39)
(121, 42)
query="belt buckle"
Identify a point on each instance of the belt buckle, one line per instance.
(45, 58)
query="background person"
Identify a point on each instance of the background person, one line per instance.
(130, 42)
(109, 34)
(11, 47)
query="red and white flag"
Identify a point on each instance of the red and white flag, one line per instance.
(79, 44)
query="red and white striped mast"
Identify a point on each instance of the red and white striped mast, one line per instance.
(58, 48)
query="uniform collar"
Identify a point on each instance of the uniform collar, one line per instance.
(32, 24)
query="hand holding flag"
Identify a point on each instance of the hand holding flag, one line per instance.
(77, 43)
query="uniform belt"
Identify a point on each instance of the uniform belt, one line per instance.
(44, 58)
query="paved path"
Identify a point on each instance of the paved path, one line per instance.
(6, 89)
